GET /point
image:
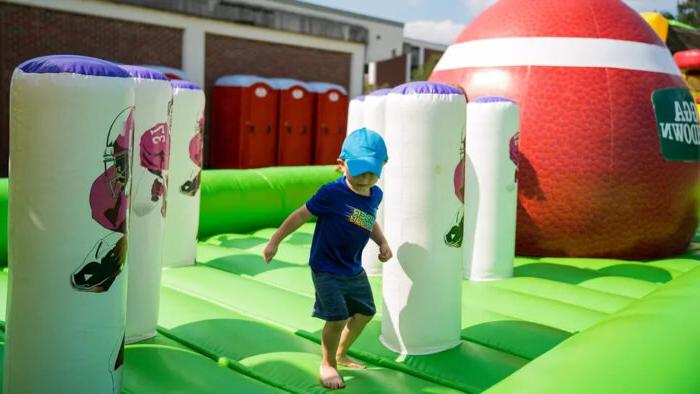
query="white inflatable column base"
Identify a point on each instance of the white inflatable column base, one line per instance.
(141, 337)
(422, 283)
(418, 351)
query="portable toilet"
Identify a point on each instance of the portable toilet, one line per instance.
(294, 126)
(243, 131)
(330, 121)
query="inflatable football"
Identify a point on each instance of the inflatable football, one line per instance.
(592, 180)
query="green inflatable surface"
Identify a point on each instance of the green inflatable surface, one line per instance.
(3, 221)
(245, 200)
(232, 323)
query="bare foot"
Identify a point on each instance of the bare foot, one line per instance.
(346, 361)
(330, 378)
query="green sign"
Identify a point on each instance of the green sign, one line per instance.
(677, 122)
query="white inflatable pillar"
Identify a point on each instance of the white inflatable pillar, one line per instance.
(147, 212)
(374, 118)
(491, 189)
(71, 126)
(186, 156)
(423, 211)
(355, 114)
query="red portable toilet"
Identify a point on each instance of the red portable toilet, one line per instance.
(330, 121)
(243, 132)
(294, 127)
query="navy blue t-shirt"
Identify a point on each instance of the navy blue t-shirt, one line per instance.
(345, 222)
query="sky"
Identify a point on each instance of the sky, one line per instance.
(426, 21)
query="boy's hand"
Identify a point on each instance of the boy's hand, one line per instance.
(385, 252)
(270, 251)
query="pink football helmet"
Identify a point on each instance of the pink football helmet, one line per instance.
(109, 199)
(197, 143)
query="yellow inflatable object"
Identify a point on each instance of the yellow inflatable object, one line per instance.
(689, 63)
(693, 81)
(658, 23)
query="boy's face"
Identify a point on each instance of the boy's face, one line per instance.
(363, 181)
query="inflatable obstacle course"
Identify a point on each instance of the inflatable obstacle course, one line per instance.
(257, 316)
(505, 323)
(233, 323)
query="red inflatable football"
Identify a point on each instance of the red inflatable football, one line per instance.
(592, 181)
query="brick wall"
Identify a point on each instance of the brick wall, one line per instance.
(27, 32)
(392, 72)
(230, 55)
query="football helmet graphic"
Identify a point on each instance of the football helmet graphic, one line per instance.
(459, 181)
(191, 186)
(101, 265)
(109, 199)
(196, 146)
(514, 152)
(116, 153)
(514, 148)
(196, 149)
(454, 236)
(109, 202)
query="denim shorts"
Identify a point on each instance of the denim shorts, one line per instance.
(339, 297)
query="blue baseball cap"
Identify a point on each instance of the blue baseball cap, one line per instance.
(364, 151)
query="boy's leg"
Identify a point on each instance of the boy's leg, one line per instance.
(352, 330)
(329, 345)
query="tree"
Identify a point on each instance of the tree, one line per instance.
(423, 73)
(689, 12)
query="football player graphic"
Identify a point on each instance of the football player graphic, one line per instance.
(514, 152)
(109, 203)
(454, 236)
(196, 148)
(154, 157)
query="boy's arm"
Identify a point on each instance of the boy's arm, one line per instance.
(378, 238)
(293, 222)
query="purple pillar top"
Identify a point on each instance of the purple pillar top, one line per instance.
(380, 92)
(360, 98)
(492, 99)
(423, 87)
(73, 64)
(144, 73)
(182, 84)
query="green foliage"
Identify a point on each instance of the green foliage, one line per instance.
(689, 12)
(423, 73)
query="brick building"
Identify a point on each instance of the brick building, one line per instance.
(204, 38)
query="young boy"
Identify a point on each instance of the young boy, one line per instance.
(346, 211)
